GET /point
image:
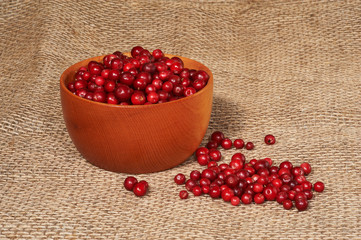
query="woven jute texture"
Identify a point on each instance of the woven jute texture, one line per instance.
(289, 68)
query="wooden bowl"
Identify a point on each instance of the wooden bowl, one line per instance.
(136, 138)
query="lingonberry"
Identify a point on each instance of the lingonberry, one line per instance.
(140, 188)
(306, 168)
(217, 137)
(183, 194)
(246, 198)
(318, 186)
(203, 159)
(249, 145)
(301, 204)
(190, 184)
(197, 190)
(179, 179)
(238, 143)
(226, 143)
(259, 198)
(195, 175)
(287, 204)
(235, 201)
(129, 183)
(269, 139)
(215, 155)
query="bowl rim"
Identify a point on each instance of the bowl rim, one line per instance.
(68, 92)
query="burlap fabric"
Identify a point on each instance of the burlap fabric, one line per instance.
(290, 68)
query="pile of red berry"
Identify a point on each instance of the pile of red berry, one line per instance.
(247, 182)
(144, 78)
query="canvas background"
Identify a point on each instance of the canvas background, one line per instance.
(290, 68)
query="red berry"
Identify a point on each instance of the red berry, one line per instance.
(270, 193)
(183, 194)
(301, 204)
(257, 187)
(140, 188)
(202, 150)
(246, 198)
(190, 184)
(215, 155)
(195, 175)
(259, 198)
(138, 98)
(281, 196)
(227, 194)
(235, 201)
(197, 190)
(306, 168)
(179, 179)
(212, 144)
(238, 143)
(318, 186)
(287, 204)
(269, 139)
(249, 145)
(215, 192)
(217, 137)
(203, 159)
(226, 143)
(129, 183)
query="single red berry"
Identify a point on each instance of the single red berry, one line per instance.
(287, 204)
(138, 98)
(269, 161)
(306, 185)
(217, 137)
(203, 159)
(190, 184)
(286, 164)
(235, 201)
(319, 187)
(246, 198)
(202, 150)
(179, 179)
(210, 174)
(129, 183)
(205, 189)
(297, 171)
(306, 168)
(226, 143)
(215, 192)
(269, 139)
(227, 194)
(197, 190)
(204, 182)
(195, 175)
(231, 180)
(239, 156)
(301, 204)
(140, 188)
(270, 193)
(257, 187)
(281, 196)
(238, 143)
(259, 198)
(212, 164)
(291, 194)
(215, 155)
(249, 145)
(153, 97)
(308, 194)
(236, 164)
(183, 194)
(212, 144)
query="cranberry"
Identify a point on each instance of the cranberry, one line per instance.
(269, 161)
(205, 189)
(195, 175)
(319, 187)
(111, 99)
(136, 51)
(301, 204)
(109, 86)
(167, 86)
(286, 164)
(126, 78)
(204, 182)
(287, 204)
(238, 143)
(306, 185)
(153, 97)
(81, 93)
(217, 137)
(212, 164)
(226, 143)
(236, 164)
(130, 182)
(99, 97)
(123, 92)
(231, 180)
(140, 188)
(257, 187)
(306, 168)
(246, 198)
(269, 139)
(157, 54)
(291, 194)
(183, 194)
(179, 179)
(259, 198)
(239, 156)
(308, 194)
(249, 145)
(300, 195)
(297, 171)
(208, 173)
(189, 91)
(139, 84)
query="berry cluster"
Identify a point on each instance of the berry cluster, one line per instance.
(247, 182)
(144, 78)
(139, 188)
